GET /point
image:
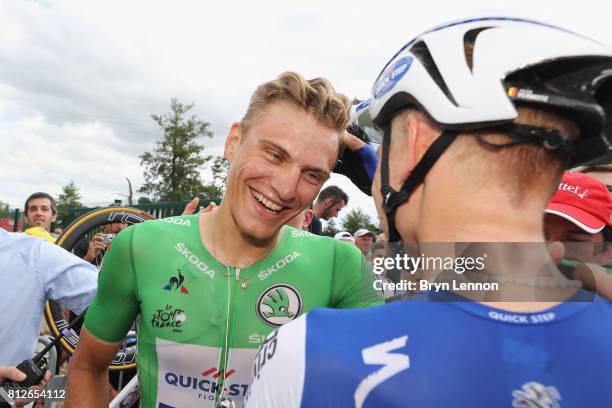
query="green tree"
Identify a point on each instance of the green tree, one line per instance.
(68, 200)
(5, 212)
(356, 219)
(144, 200)
(220, 169)
(330, 229)
(172, 170)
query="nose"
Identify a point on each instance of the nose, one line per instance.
(285, 182)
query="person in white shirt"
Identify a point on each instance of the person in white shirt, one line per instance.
(33, 271)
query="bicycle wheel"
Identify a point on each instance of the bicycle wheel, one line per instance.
(73, 234)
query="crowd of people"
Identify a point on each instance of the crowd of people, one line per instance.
(482, 125)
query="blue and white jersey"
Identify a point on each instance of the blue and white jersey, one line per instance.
(421, 353)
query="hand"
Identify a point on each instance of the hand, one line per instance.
(36, 389)
(11, 373)
(593, 277)
(209, 208)
(94, 248)
(352, 142)
(191, 206)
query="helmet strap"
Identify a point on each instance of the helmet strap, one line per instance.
(393, 199)
(550, 139)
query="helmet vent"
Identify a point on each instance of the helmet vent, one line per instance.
(421, 52)
(469, 39)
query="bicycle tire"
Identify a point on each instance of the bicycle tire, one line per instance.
(68, 240)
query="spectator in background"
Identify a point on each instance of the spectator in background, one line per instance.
(345, 236)
(580, 212)
(302, 220)
(93, 251)
(32, 272)
(364, 240)
(602, 173)
(327, 206)
(40, 212)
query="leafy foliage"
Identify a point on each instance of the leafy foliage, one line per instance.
(68, 200)
(4, 210)
(172, 169)
(356, 219)
(330, 229)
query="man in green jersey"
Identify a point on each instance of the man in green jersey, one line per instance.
(208, 287)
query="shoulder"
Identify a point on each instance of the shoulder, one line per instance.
(301, 237)
(279, 368)
(169, 223)
(149, 232)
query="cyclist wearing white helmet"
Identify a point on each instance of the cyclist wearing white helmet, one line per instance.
(479, 118)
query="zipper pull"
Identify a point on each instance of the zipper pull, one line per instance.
(237, 273)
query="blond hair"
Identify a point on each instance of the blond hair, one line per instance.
(316, 96)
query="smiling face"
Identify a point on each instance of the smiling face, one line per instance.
(40, 213)
(278, 166)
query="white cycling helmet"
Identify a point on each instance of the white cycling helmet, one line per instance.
(472, 74)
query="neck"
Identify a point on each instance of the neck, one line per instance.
(511, 234)
(479, 210)
(227, 244)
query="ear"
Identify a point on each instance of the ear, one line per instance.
(404, 154)
(419, 135)
(53, 217)
(232, 141)
(307, 218)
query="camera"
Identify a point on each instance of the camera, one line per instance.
(107, 238)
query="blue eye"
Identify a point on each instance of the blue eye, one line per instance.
(274, 156)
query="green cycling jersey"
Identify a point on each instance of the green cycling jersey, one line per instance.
(200, 322)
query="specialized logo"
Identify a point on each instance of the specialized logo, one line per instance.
(536, 395)
(279, 304)
(169, 317)
(193, 259)
(391, 76)
(278, 265)
(176, 283)
(381, 355)
(392, 364)
(177, 221)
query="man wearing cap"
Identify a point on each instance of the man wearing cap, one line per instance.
(364, 240)
(580, 212)
(345, 236)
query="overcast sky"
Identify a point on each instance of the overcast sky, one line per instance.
(79, 79)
